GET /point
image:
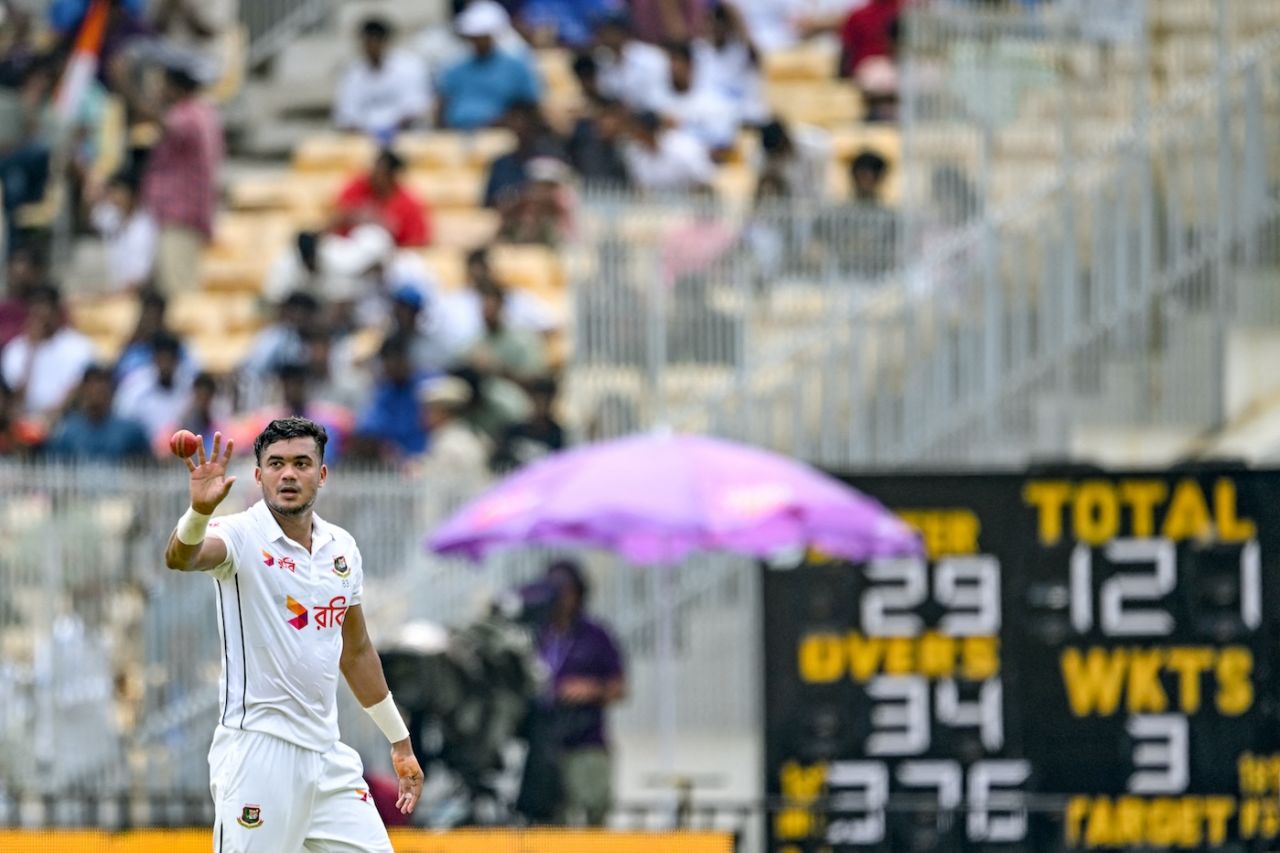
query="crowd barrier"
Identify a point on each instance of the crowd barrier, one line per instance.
(404, 841)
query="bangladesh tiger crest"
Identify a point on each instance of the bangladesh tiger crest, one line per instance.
(250, 817)
(340, 567)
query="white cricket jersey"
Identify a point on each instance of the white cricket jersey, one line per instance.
(280, 615)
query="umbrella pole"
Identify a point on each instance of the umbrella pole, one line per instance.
(667, 672)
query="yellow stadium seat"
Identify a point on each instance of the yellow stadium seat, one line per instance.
(457, 188)
(232, 50)
(464, 229)
(334, 152)
(735, 183)
(484, 146)
(105, 316)
(826, 103)
(197, 312)
(533, 268)
(807, 62)
(448, 263)
(221, 353)
(427, 150)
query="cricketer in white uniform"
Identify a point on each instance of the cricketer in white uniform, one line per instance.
(289, 612)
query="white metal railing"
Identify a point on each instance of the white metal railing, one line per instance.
(1104, 296)
(109, 662)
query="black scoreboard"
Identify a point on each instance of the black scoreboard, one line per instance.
(1082, 661)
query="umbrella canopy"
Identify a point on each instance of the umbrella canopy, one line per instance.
(658, 498)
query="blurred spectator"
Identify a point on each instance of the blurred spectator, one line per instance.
(629, 70)
(540, 211)
(17, 45)
(861, 237)
(477, 91)
(440, 47)
(380, 198)
(701, 111)
(799, 155)
(508, 173)
(297, 268)
(595, 148)
(151, 322)
(535, 437)
(293, 395)
(157, 395)
(769, 235)
(282, 342)
(663, 158)
(382, 91)
(456, 317)
(180, 180)
(392, 418)
(666, 21)
(334, 375)
(25, 270)
(567, 22)
(496, 403)
(11, 439)
(129, 233)
(726, 62)
(867, 173)
(457, 448)
(91, 432)
(773, 25)
(204, 414)
(427, 353)
(45, 363)
(585, 72)
(586, 676)
(868, 32)
(197, 26)
(504, 350)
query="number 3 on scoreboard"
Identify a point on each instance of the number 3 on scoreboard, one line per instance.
(1117, 595)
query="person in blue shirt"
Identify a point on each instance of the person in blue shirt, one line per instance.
(91, 431)
(480, 89)
(567, 22)
(392, 417)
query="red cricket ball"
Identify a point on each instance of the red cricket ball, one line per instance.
(184, 443)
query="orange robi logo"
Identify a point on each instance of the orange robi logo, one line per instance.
(299, 612)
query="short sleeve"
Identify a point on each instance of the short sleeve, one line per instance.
(232, 536)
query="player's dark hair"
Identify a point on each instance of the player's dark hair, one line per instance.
(283, 429)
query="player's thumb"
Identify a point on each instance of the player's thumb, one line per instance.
(226, 486)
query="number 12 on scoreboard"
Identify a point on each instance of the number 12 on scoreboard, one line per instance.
(1126, 603)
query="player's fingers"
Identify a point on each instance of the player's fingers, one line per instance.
(226, 458)
(191, 466)
(226, 487)
(200, 449)
(217, 446)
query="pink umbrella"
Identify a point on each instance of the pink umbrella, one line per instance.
(654, 499)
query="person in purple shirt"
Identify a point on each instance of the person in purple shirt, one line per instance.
(587, 676)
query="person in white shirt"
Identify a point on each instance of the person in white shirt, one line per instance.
(729, 64)
(626, 69)
(383, 91)
(44, 364)
(129, 233)
(157, 395)
(665, 159)
(289, 589)
(701, 111)
(441, 48)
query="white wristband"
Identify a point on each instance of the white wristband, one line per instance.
(191, 527)
(388, 718)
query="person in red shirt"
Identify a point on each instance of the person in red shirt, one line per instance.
(867, 33)
(380, 198)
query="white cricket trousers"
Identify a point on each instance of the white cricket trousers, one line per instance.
(272, 796)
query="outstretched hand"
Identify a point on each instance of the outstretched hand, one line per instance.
(209, 481)
(410, 775)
